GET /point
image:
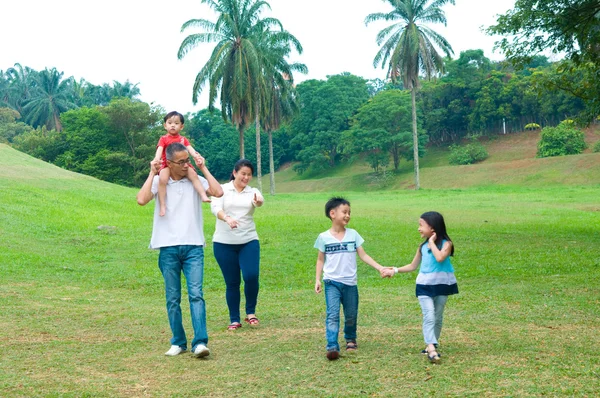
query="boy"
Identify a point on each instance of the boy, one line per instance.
(174, 122)
(338, 247)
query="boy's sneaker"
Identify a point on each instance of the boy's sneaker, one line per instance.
(201, 351)
(174, 350)
(333, 354)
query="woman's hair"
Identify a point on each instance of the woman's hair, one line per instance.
(436, 221)
(239, 164)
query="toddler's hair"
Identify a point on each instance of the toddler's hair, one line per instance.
(334, 203)
(174, 113)
(436, 221)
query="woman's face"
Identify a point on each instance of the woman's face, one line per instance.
(242, 177)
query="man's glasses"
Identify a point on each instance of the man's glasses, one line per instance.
(181, 163)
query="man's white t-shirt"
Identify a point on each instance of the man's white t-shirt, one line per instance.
(182, 224)
(340, 256)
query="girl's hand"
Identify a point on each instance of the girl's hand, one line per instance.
(432, 238)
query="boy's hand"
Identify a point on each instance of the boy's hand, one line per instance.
(318, 287)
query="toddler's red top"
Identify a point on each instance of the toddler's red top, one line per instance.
(167, 140)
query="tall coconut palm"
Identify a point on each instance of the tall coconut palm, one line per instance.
(276, 81)
(409, 48)
(233, 70)
(21, 81)
(49, 98)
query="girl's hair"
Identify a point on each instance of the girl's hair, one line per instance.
(436, 221)
(239, 164)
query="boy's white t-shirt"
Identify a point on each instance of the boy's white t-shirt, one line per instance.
(340, 256)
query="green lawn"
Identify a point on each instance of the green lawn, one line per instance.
(83, 307)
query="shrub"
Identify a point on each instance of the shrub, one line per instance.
(467, 154)
(597, 146)
(563, 139)
(532, 126)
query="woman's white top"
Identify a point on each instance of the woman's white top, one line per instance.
(239, 206)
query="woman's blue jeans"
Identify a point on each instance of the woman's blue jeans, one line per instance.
(337, 294)
(433, 317)
(235, 258)
(172, 260)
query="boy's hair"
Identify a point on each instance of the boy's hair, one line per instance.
(239, 164)
(333, 203)
(436, 221)
(173, 149)
(174, 113)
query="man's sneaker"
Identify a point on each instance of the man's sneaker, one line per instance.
(333, 354)
(201, 351)
(174, 350)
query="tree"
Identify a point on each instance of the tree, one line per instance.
(407, 48)
(571, 27)
(50, 97)
(326, 109)
(234, 69)
(381, 127)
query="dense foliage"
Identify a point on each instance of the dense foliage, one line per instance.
(563, 139)
(470, 153)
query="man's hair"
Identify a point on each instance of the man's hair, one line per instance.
(173, 149)
(174, 113)
(334, 203)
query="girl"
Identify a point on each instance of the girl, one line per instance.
(436, 280)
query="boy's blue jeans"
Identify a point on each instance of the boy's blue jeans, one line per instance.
(172, 261)
(337, 293)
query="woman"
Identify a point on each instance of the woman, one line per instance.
(235, 242)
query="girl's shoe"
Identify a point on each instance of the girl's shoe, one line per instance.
(252, 321)
(234, 326)
(433, 357)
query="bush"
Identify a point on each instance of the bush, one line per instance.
(563, 139)
(532, 126)
(597, 146)
(468, 154)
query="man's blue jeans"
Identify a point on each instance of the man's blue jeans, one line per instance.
(172, 261)
(337, 294)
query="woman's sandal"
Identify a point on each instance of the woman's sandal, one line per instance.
(234, 326)
(252, 321)
(424, 350)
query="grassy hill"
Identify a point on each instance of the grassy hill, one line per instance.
(512, 161)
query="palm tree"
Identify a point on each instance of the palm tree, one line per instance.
(233, 70)
(21, 81)
(49, 98)
(276, 82)
(408, 47)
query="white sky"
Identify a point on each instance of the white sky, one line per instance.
(138, 39)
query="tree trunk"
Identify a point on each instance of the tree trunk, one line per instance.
(258, 159)
(415, 137)
(271, 164)
(241, 133)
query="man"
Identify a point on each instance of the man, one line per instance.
(180, 238)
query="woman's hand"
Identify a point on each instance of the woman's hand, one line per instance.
(258, 200)
(232, 222)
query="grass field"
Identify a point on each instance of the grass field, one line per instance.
(83, 305)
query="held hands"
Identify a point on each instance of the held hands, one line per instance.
(200, 161)
(387, 272)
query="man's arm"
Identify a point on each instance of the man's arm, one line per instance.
(214, 188)
(145, 194)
